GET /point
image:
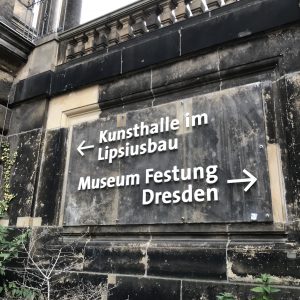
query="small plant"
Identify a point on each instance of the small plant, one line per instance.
(9, 250)
(264, 290)
(10, 246)
(225, 296)
(13, 289)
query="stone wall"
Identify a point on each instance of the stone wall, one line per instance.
(240, 65)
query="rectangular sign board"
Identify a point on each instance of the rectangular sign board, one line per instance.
(196, 160)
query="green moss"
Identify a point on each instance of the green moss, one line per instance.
(8, 161)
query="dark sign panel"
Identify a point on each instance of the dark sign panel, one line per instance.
(195, 160)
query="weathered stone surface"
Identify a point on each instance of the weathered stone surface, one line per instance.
(292, 125)
(182, 251)
(266, 46)
(209, 291)
(5, 115)
(83, 285)
(234, 139)
(49, 190)
(6, 9)
(190, 259)
(121, 257)
(23, 179)
(37, 86)
(72, 14)
(96, 69)
(232, 25)
(6, 81)
(42, 59)
(188, 69)
(130, 85)
(250, 260)
(229, 23)
(145, 288)
(149, 52)
(28, 116)
(97, 208)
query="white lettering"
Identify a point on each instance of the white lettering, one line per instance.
(84, 183)
(151, 197)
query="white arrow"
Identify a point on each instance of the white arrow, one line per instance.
(81, 147)
(251, 180)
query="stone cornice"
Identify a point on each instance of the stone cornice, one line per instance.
(14, 47)
(242, 20)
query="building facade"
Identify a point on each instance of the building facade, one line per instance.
(158, 146)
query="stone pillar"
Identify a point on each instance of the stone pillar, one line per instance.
(47, 17)
(71, 13)
(52, 11)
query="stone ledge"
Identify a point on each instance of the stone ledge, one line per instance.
(28, 222)
(221, 230)
(14, 48)
(34, 86)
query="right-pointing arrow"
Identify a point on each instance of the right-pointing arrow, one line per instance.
(251, 179)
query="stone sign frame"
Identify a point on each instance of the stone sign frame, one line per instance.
(207, 84)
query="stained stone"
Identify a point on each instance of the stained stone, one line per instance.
(232, 140)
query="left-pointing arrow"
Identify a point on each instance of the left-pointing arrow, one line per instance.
(82, 147)
(251, 179)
